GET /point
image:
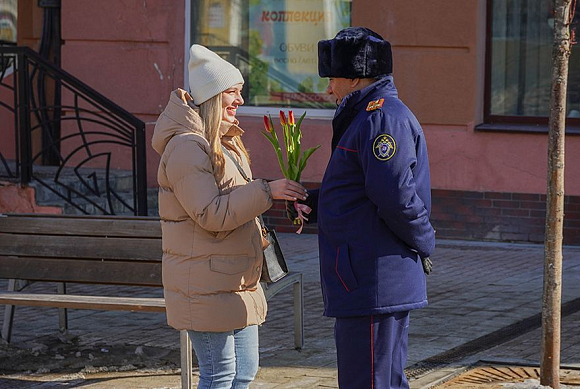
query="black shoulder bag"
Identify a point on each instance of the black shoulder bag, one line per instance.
(274, 267)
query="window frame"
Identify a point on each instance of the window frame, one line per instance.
(504, 122)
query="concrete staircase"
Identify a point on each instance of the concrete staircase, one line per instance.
(87, 189)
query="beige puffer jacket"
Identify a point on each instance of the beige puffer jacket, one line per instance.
(212, 248)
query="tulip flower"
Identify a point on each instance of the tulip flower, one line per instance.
(273, 138)
(295, 161)
(267, 125)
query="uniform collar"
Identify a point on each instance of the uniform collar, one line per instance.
(351, 105)
(386, 85)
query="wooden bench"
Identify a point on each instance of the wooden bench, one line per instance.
(111, 250)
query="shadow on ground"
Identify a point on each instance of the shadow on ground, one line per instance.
(64, 354)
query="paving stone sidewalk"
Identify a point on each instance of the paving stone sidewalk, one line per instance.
(476, 289)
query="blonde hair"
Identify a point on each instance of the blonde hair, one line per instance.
(211, 115)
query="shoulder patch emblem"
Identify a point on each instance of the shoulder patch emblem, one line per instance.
(384, 147)
(375, 104)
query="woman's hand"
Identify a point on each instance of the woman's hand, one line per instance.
(285, 189)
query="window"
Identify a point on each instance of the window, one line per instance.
(8, 17)
(520, 42)
(274, 43)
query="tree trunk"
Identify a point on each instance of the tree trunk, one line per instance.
(552, 298)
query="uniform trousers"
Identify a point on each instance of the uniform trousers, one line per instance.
(372, 351)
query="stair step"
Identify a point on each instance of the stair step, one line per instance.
(92, 205)
(93, 189)
(91, 182)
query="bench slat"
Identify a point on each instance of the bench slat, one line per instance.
(149, 304)
(80, 247)
(81, 225)
(81, 271)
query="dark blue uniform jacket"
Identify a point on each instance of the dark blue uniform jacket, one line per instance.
(373, 207)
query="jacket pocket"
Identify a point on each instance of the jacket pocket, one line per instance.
(343, 269)
(229, 264)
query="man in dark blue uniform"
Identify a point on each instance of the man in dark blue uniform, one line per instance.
(372, 210)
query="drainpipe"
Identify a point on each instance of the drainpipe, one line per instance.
(49, 89)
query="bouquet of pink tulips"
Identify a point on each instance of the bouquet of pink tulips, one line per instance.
(296, 160)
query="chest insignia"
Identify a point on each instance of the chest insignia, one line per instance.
(384, 147)
(375, 104)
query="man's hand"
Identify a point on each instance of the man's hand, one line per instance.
(427, 265)
(291, 212)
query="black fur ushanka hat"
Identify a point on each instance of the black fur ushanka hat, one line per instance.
(355, 52)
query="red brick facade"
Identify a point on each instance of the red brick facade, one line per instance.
(513, 217)
(15, 198)
(506, 217)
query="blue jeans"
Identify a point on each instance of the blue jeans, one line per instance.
(226, 359)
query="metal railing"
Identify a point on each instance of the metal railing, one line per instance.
(85, 138)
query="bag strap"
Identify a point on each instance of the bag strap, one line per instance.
(265, 229)
(242, 172)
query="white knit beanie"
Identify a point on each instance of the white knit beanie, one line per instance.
(209, 74)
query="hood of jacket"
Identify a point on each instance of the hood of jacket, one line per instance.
(181, 116)
(178, 117)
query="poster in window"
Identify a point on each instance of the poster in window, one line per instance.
(283, 50)
(8, 18)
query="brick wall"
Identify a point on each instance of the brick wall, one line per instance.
(15, 198)
(512, 217)
(506, 217)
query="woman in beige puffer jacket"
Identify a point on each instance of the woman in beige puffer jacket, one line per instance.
(212, 246)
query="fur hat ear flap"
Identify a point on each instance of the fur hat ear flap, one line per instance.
(324, 58)
(355, 52)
